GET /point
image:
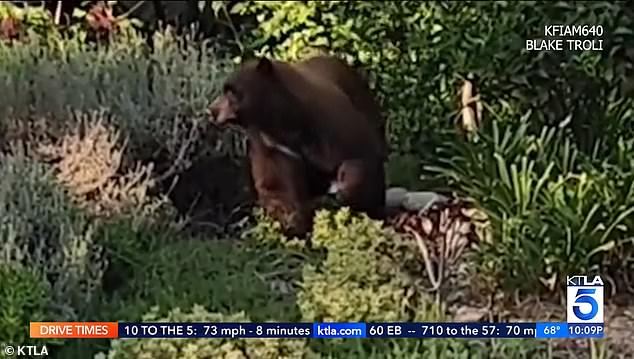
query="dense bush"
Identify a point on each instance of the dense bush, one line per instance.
(355, 270)
(228, 276)
(24, 299)
(158, 97)
(42, 231)
(552, 210)
(367, 274)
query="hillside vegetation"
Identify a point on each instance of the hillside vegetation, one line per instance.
(118, 200)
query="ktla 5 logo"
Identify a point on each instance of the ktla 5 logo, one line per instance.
(584, 299)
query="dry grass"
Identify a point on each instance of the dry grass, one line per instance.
(90, 162)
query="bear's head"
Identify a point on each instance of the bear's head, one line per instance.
(250, 95)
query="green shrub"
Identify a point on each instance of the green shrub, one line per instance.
(157, 97)
(205, 348)
(266, 232)
(238, 278)
(155, 267)
(24, 299)
(33, 20)
(43, 232)
(553, 212)
(367, 275)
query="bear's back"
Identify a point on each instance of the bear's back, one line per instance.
(331, 110)
(352, 83)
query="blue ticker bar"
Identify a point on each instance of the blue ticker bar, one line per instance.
(360, 330)
(327, 330)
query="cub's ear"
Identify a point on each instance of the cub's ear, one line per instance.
(265, 66)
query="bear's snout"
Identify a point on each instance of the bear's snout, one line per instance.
(214, 110)
(221, 111)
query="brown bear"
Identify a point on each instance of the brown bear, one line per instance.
(318, 112)
(355, 86)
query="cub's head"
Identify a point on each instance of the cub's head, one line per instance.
(248, 94)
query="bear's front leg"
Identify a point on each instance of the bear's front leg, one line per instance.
(281, 186)
(294, 217)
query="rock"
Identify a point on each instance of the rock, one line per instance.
(420, 201)
(399, 197)
(470, 314)
(395, 197)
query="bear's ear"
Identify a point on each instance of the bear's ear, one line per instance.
(265, 66)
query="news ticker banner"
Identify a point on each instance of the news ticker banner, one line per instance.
(314, 330)
(584, 319)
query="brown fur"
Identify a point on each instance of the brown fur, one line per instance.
(358, 185)
(352, 83)
(320, 110)
(281, 187)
